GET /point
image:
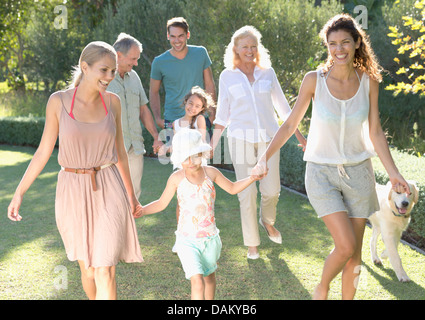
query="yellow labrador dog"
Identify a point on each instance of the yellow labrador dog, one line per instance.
(391, 220)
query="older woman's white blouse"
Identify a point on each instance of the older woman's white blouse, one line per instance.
(339, 129)
(249, 111)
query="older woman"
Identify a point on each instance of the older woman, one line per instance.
(249, 95)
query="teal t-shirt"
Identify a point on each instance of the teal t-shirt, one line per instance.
(179, 76)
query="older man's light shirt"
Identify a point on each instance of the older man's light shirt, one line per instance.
(132, 95)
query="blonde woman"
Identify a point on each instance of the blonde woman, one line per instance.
(345, 132)
(95, 199)
(249, 96)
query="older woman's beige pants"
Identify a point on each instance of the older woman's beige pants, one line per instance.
(244, 156)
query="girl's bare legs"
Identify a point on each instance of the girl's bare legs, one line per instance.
(197, 287)
(203, 288)
(99, 283)
(210, 284)
(344, 236)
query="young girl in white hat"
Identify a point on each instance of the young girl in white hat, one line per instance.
(198, 242)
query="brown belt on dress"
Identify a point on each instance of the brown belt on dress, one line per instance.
(90, 171)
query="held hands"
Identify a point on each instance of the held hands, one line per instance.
(138, 211)
(255, 177)
(260, 170)
(157, 146)
(136, 207)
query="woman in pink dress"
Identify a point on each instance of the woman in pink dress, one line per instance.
(95, 199)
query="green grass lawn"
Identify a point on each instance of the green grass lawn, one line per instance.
(33, 264)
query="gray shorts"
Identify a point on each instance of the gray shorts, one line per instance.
(335, 188)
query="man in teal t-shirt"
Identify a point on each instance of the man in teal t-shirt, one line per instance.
(178, 70)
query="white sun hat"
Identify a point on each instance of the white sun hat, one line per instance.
(186, 143)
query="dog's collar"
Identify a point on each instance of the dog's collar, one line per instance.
(400, 215)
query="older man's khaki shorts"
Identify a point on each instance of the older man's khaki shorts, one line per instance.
(335, 188)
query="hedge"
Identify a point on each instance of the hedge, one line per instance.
(28, 131)
(21, 130)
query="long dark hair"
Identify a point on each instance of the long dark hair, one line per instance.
(207, 102)
(364, 58)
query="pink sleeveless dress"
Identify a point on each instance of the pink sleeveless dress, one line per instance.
(96, 227)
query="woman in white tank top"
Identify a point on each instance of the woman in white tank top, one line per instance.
(345, 132)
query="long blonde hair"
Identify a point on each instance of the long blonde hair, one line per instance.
(92, 53)
(231, 59)
(364, 58)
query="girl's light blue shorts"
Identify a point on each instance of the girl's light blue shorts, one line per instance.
(199, 255)
(349, 188)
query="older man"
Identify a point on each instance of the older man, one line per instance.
(129, 88)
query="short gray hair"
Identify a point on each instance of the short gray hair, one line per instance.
(124, 43)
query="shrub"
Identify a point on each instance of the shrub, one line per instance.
(400, 114)
(21, 130)
(292, 165)
(412, 43)
(289, 28)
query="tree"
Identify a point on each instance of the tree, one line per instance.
(146, 21)
(290, 30)
(413, 44)
(52, 51)
(14, 15)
